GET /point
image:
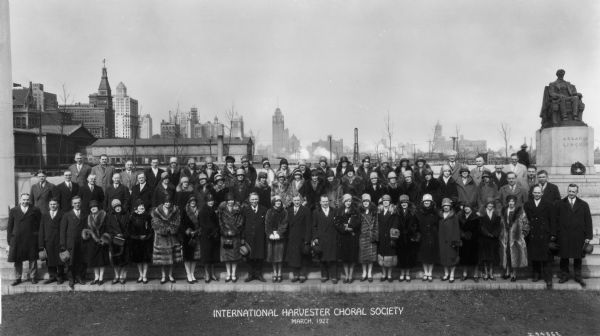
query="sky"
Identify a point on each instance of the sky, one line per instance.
(330, 66)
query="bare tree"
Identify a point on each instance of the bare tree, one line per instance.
(230, 115)
(505, 133)
(389, 132)
(65, 99)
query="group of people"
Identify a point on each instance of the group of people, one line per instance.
(393, 216)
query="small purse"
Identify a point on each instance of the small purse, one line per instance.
(227, 243)
(118, 241)
(64, 256)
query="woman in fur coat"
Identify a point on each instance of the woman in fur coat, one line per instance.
(231, 222)
(369, 234)
(190, 231)
(296, 185)
(96, 240)
(166, 250)
(513, 250)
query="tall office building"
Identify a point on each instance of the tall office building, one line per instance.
(146, 127)
(126, 113)
(283, 143)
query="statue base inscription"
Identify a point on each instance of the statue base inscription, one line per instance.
(557, 148)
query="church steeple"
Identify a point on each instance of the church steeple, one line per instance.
(104, 88)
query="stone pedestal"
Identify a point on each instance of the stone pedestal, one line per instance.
(557, 148)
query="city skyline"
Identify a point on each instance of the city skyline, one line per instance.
(471, 64)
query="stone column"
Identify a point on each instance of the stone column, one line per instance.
(7, 145)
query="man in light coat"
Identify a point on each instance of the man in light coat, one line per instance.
(41, 192)
(519, 169)
(80, 170)
(103, 172)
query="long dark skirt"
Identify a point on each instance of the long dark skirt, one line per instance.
(120, 255)
(469, 252)
(348, 248)
(407, 254)
(275, 251)
(191, 249)
(489, 250)
(209, 247)
(95, 255)
(140, 251)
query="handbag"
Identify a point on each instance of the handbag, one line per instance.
(64, 256)
(118, 241)
(177, 253)
(394, 233)
(43, 255)
(227, 243)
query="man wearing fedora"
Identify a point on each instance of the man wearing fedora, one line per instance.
(572, 229)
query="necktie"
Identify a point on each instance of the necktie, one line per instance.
(92, 188)
(69, 186)
(77, 213)
(295, 210)
(52, 214)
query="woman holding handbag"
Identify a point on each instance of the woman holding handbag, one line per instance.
(231, 223)
(449, 239)
(96, 241)
(369, 234)
(276, 226)
(167, 249)
(387, 220)
(190, 231)
(408, 241)
(141, 238)
(117, 223)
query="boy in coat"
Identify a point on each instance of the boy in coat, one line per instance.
(22, 231)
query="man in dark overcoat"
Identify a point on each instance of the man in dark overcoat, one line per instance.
(65, 191)
(49, 240)
(539, 215)
(327, 235)
(90, 192)
(116, 191)
(41, 192)
(550, 192)
(572, 229)
(153, 174)
(499, 176)
(22, 236)
(299, 237)
(71, 225)
(254, 234)
(314, 188)
(80, 170)
(142, 191)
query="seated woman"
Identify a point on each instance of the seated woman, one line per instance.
(166, 250)
(96, 240)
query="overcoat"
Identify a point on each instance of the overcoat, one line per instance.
(407, 246)
(449, 232)
(209, 239)
(540, 219)
(80, 176)
(117, 225)
(64, 195)
(429, 250)
(166, 234)
(264, 194)
(469, 233)
(489, 243)
(129, 179)
(183, 195)
(386, 244)
(313, 192)
(96, 254)
(202, 192)
(232, 225)
(413, 190)
(103, 175)
(571, 227)
(276, 220)
(70, 235)
(299, 234)
(190, 221)
(120, 192)
(161, 193)
(499, 180)
(22, 233)
(519, 192)
(467, 192)
(376, 191)
(512, 238)
(254, 230)
(49, 237)
(141, 237)
(486, 191)
(448, 189)
(394, 191)
(324, 230)
(369, 235)
(281, 190)
(334, 192)
(88, 195)
(550, 193)
(40, 196)
(152, 179)
(354, 186)
(241, 190)
(145, 194)
(349, 240)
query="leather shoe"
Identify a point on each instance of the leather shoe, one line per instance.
(324, 279)
(71, 284)
(249, 278)
(49, 281)
(563, 280)
(302, 279)
(295, 279)
(261, 278)
(60, 281)
(16, 282)
(580, 281)
(536, 277)
(34, 281)
(79, 281)
(548, 285)
(334, 281)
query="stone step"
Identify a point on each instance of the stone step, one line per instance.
(311, 286)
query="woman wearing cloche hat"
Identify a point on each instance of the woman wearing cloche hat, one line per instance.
(96, 241)
(449, 239)
(428, 219)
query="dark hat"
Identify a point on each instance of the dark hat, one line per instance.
(262, 175)
(446, 201)
(349, 169)
(322, 159)
(265, 161)
(366, 159)
(94, 203)
(464, 169)
(314, 172)
(427, 172)
(283, 161)
(245, 249)
(192, 198)
(115, 203)
(511, 197)
(329, 173)
(229, 197)
(344, 159)
(168, 198)
(244, 159)
(297, 172)
(486, 173)
(524, 146)
(229, 158)
(421, 159)
(164, 175)
(403, 199)
(240, 171)
(138, 202)
(41, 171)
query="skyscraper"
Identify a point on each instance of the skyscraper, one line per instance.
(146, 127)
(126, 113)
(279, 139)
